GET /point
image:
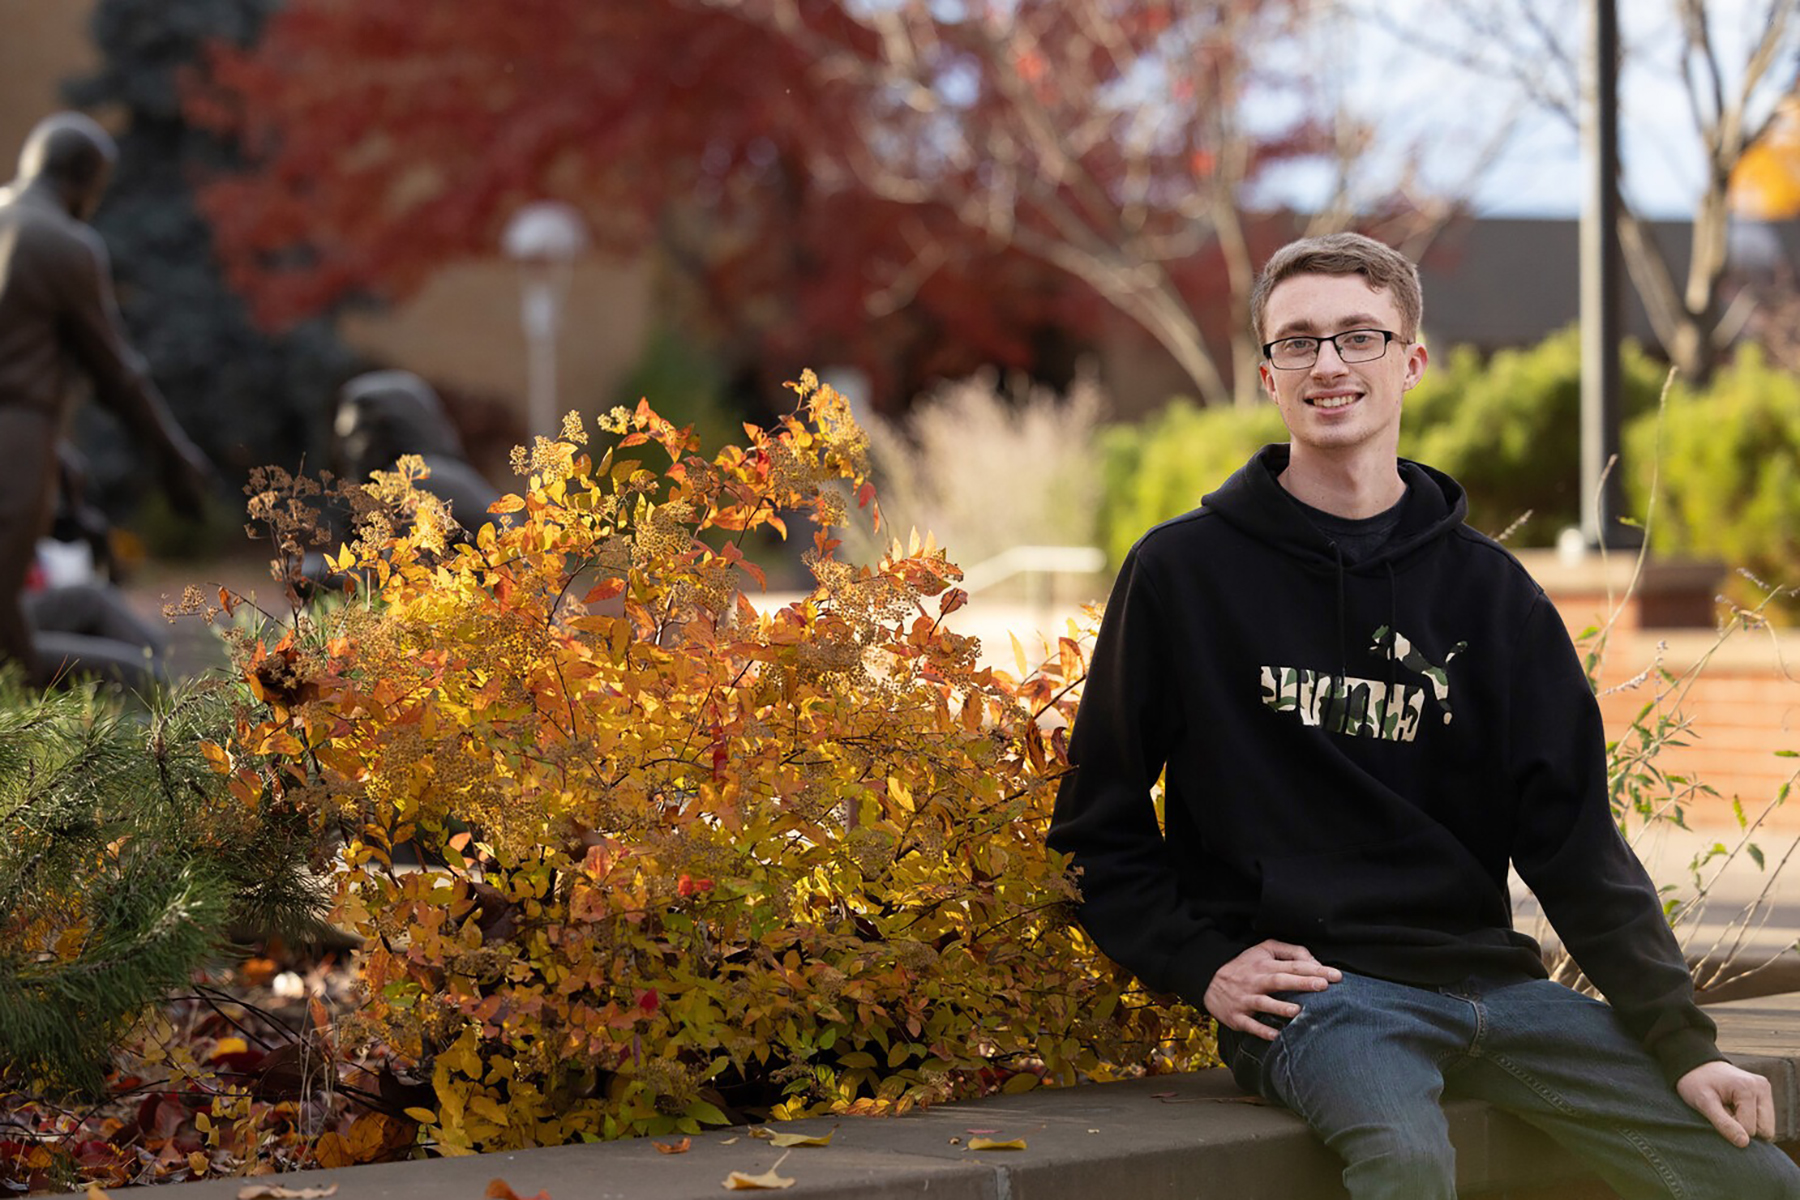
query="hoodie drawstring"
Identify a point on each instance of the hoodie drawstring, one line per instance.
(1393, 630)
(1339, 699)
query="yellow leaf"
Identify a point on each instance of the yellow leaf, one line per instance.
(1019, 655)
(216, 755)
(981, 1143)
(197, 1162)
(96, 1192)
(1022, 1082)
(484, 1106)
(423, 1116)
(800, 1139)
(737, 1181)
(270, 1191)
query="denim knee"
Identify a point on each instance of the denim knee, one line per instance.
(1414, 1164)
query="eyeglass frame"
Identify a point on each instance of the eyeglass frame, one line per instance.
(1388, 336)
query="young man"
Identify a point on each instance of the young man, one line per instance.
(1363, 712)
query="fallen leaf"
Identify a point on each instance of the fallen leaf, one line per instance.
(270, 1191)
(730, 1141)
(737, 1181)
(197, 1163)
(981, 1143)
(956, 1141)
(680, 1147)
(801, 1139)
(499, 1189)
(96, 1192)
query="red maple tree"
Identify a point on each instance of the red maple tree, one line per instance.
(915, 185)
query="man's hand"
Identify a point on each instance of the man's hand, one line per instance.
(1738, 1103)
(1243, 987)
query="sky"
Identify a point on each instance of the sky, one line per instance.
(1396, 71)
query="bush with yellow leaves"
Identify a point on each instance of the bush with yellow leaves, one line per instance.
(689, 861)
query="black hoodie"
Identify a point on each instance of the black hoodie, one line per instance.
(1352, 754)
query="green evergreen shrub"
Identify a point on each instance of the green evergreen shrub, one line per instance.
(1727, 471)
(124, 859)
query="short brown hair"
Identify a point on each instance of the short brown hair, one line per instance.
(1343, 254)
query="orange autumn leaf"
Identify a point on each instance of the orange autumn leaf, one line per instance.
(499, 1189)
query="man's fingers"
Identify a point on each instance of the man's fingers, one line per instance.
(1713, 1109)
(1765, 1114)
(1249, 1024)
(1287, 951)
(1754, 1104)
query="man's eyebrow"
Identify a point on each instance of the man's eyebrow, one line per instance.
(1305, 327)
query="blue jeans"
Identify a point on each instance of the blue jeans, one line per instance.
(1367, 1063)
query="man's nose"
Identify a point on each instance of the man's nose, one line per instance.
(1335, 367)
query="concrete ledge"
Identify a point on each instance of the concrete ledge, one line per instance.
(1154, 1139)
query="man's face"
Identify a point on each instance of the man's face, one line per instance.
(1333, 405)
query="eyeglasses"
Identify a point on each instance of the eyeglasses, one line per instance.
(1352, 346)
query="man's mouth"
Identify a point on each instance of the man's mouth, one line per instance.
(1333, 400)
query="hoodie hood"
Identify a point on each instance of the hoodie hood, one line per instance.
(1254, 501)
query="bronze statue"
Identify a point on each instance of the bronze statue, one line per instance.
(57, 311)
(382, 415)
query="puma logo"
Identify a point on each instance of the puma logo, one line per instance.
(1394, 644)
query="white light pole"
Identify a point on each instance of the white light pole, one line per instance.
(544, 238)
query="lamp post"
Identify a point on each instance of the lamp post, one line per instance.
(1602, 490)
(544, 238)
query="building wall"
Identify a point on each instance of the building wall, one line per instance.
(42, 42)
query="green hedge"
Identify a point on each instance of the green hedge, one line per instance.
(1160, 468)
(1728, 471)
(1508, 428)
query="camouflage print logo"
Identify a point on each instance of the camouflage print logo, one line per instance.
(1346, 705)
(1394, 645)
(1357, 707)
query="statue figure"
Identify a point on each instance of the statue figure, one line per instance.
(382, 415)
(56, 312)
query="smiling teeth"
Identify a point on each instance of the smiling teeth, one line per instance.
(1332, 401)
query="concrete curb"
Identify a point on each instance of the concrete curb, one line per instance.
(1153, 1139)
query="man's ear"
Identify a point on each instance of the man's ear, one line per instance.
(1267, 378)
(1416, 358)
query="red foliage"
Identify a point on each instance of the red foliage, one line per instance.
(913, 187)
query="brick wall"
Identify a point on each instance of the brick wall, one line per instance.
(1744, 706)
